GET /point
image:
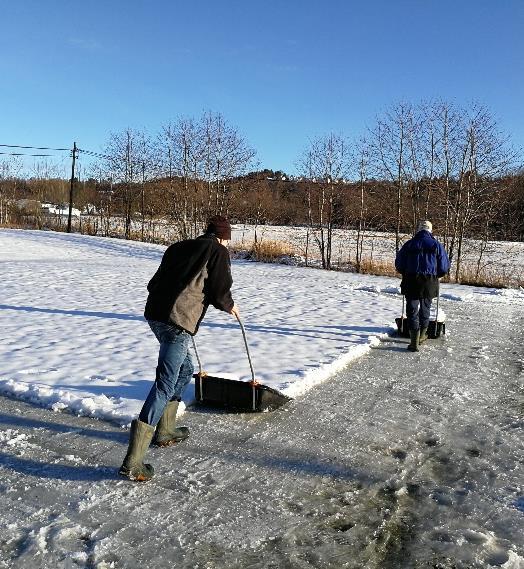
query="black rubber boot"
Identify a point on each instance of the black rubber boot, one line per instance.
(415, 337)
(423, 335)
(166, 433)
(133, 466)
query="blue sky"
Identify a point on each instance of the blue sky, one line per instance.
(281, 71)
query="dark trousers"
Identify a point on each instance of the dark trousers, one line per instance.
(417, 312)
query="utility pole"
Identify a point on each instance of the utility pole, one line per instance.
(74, 152)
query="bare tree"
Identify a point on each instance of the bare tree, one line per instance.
(10, 171)
(325, 164)
(485, 156)
(179, 156)
(148, 168)
(224, 155)
(389, 142)
(206, 156)
(447, 127)
(124, 161)
(362, 164)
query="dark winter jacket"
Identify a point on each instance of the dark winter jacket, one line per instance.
(192, 275)
(421, 261)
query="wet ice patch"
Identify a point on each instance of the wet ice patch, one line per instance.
(480, 352)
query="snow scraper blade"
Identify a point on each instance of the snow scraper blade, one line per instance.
(233, 394)
(436, 328)
(236, 395)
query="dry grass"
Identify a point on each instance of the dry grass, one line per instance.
(268, 251)
(378, 267)
(490, 278)
(271, 250)
(468, 276)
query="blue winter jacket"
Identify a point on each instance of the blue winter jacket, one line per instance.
(422, 255)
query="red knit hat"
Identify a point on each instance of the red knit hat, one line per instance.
(220, 226)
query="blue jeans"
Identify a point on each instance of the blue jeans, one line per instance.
(174, 371)
(417, 312)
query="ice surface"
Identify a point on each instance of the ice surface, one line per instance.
(400, 460)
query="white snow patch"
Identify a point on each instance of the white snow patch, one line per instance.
(11, 437)
(73, 336)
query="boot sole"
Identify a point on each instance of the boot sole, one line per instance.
(140, 478)
(170, 443)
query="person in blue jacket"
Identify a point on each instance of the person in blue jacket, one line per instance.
(421, 261)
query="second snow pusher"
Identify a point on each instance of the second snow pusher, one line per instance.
(236, 395)
(436, 327)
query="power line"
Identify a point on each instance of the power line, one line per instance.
(84, 151)
(88, 152)
(23, 154)
(91, 153)
(34, 147)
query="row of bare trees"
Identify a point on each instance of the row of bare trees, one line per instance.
(430, 160)
(193, 161)
(438, 160)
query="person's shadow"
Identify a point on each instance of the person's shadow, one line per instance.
(17, 421)
(58, 471)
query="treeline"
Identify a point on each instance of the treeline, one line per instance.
(431, 160)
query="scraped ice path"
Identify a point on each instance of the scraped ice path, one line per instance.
(73, 336)
(400, 461)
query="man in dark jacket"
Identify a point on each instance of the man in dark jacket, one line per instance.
(421, 261)
(192, 275)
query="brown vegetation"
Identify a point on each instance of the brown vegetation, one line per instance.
(269, 251)
(432, 160)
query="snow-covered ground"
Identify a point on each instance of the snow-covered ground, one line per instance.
(494, 259)
(502, 258)
(401, 461)
(73, 336)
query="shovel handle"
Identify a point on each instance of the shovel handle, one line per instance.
(253, 380)
(200, 371)
(247, 348)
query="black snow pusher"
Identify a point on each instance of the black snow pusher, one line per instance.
(436, 328)
(236, 395)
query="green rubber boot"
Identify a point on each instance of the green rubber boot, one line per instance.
(423, 335)
(166, 433)
(415, 338)
(133, 466)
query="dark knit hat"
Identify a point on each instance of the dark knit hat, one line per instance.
(220, 226)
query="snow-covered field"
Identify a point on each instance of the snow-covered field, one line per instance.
(73, 335)
(494, 259)
(502, 258)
